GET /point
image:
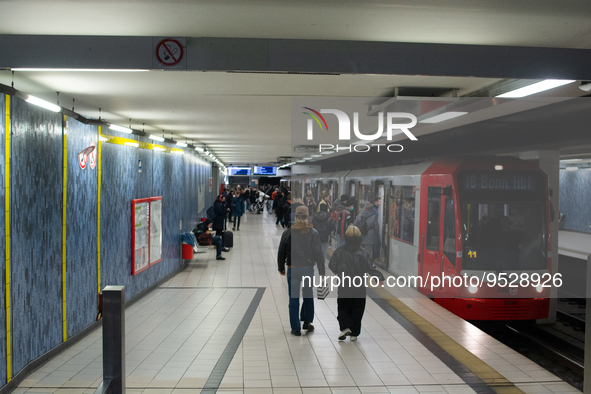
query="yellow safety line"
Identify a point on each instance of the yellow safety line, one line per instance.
(7, 230)
(64, 212)
(98, 221)
(142, 145)
(497, 382)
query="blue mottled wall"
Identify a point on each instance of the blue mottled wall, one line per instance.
(2, 241)
(36, 228)
(81, 230)
(575, 195)
(36, 221)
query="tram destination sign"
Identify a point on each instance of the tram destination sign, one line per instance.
(492, 181)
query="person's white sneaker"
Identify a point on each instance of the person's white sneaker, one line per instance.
(344, 333)
(353, 338)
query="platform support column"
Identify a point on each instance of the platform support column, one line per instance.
(549, 162)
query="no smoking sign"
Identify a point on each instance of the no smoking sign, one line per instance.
(169, 53)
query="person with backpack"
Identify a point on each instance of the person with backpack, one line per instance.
(353, 261)
(322, 223)
(238, 203)
(324, 201)
(343, 215)
(246, 197)
(367, 222)
(299, 250)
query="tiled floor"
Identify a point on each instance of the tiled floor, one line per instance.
(177, 335)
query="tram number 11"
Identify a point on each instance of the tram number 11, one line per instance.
(472, 254)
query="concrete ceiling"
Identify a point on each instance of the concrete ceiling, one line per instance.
(245, 117)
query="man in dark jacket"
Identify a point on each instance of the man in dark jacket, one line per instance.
(220, 215)
(368, 224)
(300, 249)
(322, 222)
(278, 205)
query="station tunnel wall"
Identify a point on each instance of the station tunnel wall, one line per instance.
(32, 249)
(575, 194)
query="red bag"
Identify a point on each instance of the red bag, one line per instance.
(204, 239)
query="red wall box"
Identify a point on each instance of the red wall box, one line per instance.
(146, 233)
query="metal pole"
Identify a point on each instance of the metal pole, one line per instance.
(587, 373)
(113, 340)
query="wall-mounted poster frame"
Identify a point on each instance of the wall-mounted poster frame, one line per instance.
(146, 233)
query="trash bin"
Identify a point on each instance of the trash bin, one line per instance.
(188, 240)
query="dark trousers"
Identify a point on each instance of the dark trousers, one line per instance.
(237, 221)
(350, 313)
(294, 284)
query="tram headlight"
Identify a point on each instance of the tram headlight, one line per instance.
(539, 288)
(473, 289)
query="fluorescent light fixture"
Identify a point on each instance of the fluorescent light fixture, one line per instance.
(307, 158)
(120, 128)
(199, 149)
(498, 168)
(443, 117)
(158, 148)
(103, 139)
(42, 103)
(77, 69)
(181, 144)
(316, 155)
(536, 88)
(301, 161)
(328, 152)
(571, 161)
(134, 144)
(571, 168)
(156, 138)
(178, 152)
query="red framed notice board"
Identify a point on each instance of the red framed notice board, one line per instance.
(146, 233)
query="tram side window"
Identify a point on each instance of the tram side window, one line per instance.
(433, 218)
(402, 213)
(449, 231)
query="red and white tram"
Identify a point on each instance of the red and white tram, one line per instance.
(484, 217)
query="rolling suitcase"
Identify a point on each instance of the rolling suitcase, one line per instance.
(228, 239)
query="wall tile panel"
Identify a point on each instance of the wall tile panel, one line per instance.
(2, 242)
(36, 228)
(575, 194)
(81, 230)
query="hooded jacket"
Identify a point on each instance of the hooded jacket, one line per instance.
(323, 224)
(350, 262)
(370, 219)
(300, 247)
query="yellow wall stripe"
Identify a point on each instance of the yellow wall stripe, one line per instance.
(98, 221)
(7, 230)
(494, 380)
(64, 212)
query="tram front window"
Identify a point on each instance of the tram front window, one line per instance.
(500, 236)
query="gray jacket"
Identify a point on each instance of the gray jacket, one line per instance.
(371, 219)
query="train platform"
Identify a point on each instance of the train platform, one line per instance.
(223, 326)
(574, 244)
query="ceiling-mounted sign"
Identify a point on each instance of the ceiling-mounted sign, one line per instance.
(169, 53)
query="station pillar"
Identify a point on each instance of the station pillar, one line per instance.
(549, 162)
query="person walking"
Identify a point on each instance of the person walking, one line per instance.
(230, 205)
(367, 222)
(278, 205)
(322, 222)
(246, 197)
(238, 208)
(299, 250)
(353, 261)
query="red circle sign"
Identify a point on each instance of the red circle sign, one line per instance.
(169, 52)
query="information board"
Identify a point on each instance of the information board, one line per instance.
(141, 232)
(146, 235)
(238, 171)
(265, 170)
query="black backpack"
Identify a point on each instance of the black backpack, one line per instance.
(364, 230)
(211, 213)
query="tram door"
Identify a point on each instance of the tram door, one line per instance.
(380, 191)
(438, 248)
(353, 191)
